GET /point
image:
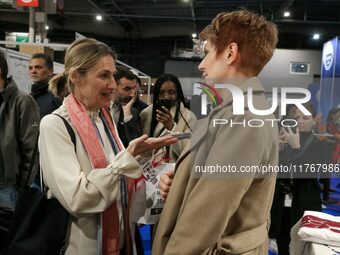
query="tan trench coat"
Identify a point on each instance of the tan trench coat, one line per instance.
(221, 214)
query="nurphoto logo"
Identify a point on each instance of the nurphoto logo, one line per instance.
(238, 103)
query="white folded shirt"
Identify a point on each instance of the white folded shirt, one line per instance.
(320, 227)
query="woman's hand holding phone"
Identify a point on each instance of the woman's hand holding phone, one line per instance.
(293, 139)
(164, 116)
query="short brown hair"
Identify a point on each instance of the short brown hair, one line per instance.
(255, 37)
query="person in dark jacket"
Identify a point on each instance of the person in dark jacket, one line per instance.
(125, 116)
(40, 71)
(139, 104)
(19, 125)
(297, 190)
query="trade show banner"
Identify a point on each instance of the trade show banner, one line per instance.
(330, 77)
(336, 83)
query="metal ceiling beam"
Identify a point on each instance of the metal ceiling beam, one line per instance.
(100, 10)
(141, 16)
(285, 5)
(192, 8)
(122, 12)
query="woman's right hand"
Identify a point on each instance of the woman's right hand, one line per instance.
(144, 144)
(164, 184)
(165, 118)
(293, 139)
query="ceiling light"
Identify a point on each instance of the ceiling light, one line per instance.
(186, 1)
(316, 36)
(47, 27)
(286, 14)
(99, 17)
(194, 35)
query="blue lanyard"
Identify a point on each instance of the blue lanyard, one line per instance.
(113, 142)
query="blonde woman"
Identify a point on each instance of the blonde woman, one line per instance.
(92, 180)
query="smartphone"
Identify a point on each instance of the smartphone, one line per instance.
(182, 136)
(166, 103)
(289, 122)
(292, 128)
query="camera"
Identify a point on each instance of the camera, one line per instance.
(166, 103)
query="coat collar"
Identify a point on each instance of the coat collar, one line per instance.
(39, 88)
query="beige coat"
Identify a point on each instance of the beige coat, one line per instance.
(180, 127)
(221, 214)
(83, 192)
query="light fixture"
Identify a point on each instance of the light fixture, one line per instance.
(99, 17)
(316, 36)
(47, 27)
(186, 1)
(194, 35)
(286, 14)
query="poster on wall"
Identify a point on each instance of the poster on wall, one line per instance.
(30, 3)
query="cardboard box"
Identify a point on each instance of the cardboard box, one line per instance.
(32, 49)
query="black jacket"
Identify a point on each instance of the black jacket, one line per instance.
(139, 105)
(305, 189)
(131, 129)
(46, 101)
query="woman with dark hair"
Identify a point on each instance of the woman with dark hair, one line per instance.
(333, 127)
(298, 190)
(157, 118)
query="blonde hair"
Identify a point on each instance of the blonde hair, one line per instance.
(81, 56)
(255, 37)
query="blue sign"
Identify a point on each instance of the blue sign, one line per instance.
(330, 77)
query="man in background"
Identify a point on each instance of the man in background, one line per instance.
(19, 125)
(139, 104)
(125, 116)
(40, 72)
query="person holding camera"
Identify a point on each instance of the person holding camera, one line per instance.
(168, 113)
(297, 190)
